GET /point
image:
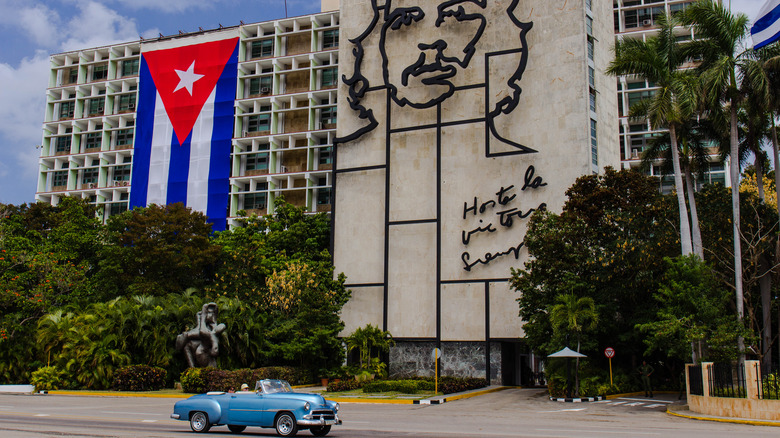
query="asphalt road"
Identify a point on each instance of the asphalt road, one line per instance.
(509, 413)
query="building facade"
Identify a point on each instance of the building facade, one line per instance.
(458, 121)
(637, 19)
(284, 123)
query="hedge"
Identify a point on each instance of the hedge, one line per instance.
(404, 386)
(344, 385)
(199, 380)
(139, 378)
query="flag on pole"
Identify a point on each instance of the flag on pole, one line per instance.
(184, 126)
(766, 29)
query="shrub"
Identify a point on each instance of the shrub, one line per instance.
(199, 380)
(450, 384)
(139, 378)
(344, 385)
(404, 386)
(47, 378)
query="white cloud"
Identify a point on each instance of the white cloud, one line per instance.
(169, 5)
(24, 101)
(96, 25)
(38, 21)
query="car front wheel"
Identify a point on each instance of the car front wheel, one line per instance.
(199, 422)
(320, 431)
(286, 425)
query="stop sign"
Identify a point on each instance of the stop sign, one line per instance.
(609, 352)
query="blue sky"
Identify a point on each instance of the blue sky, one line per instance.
(31, 30)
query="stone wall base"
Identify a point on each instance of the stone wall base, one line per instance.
(458, 359)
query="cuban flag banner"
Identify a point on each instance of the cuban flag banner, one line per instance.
(184, 125)
(766, 29)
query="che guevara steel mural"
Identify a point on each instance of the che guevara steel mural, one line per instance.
(434, 84)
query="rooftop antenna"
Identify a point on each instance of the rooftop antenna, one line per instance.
(200, 28)
(285, 8)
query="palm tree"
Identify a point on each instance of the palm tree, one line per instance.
(694, 162)
(574, 315)
(719, 35)
(659, 60)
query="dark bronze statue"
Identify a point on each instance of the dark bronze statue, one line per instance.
(201, 344)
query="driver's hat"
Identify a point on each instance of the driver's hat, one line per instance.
(244, 386)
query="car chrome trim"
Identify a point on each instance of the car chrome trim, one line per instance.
(175, 416)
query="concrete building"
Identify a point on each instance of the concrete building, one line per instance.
(284, 123)
(457, 122)
(636, 19)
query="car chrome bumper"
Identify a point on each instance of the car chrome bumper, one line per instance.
(319, 422)
(175, 416)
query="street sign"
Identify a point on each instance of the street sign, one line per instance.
(436, 353)
(610, 353)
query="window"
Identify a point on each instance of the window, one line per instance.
(63, 144)
(594, 143)
(253, 201)
(59, 178)
(589, 4)
(90, 176)
(591, 48)
(330, 39)
(118, 207)
(260, 122)
(326, 155)
(66, 109)
(100, 72)
(636, 96)
(330, 77)
(124, 137)
(328, 116)
(127, 102)
(97, 105)
(592, 98)
(589, 25)
(130, 67)
(261, 85)
(262, 48)
(122, 173)
(257, 161)
(323, 194)
(93, 140)
(73, 76)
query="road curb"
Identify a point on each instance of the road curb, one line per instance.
(724, 420)
(118, 394)
(578, 399)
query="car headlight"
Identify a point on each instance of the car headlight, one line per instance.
(336, 407)
(306, 406)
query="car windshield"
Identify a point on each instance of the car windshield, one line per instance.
(273, 386)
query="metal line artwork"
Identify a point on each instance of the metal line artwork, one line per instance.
(426, 76)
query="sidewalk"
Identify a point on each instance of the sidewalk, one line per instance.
(683, 412)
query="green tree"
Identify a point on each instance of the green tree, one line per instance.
(659, 59)
(607, 244)
(574, 315)
(369, 340)
(156, 250)
(695, 319)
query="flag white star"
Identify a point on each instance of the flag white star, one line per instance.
(187, 78)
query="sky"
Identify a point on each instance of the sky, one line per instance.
(31, 30)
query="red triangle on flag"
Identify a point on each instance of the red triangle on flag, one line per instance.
(185, 77)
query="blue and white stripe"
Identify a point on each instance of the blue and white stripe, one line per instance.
(766, 29)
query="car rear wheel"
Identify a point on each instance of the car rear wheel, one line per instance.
(286, 425)
(236, 429)
(199, 422)
(320, 430)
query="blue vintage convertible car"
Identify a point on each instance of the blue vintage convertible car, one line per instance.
(272, 404)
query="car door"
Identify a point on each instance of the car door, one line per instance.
(246, 408)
